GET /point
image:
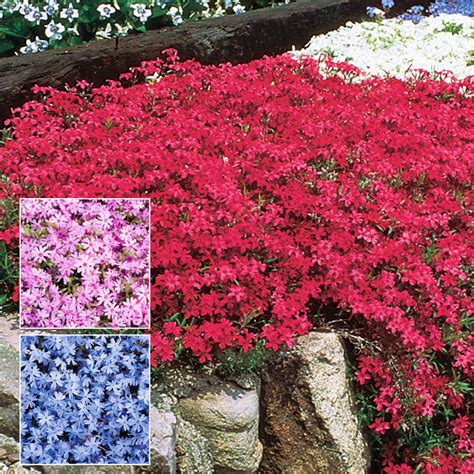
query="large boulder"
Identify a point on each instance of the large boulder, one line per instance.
(309, 422)
(217, 420)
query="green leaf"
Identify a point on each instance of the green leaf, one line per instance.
(6, 45)
(17, 28)
(88, 13)
(157, 12)
(191, 7)
(75, 40)
(124, 4)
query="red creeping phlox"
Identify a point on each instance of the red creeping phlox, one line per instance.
(276, 185)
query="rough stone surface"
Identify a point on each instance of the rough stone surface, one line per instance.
(88, 469)
(163, 441)
(192, 449)
(9, 329)
(9, 378)
(309, 423)
(9, 450)
(10, 457)
(227, 416)
(17, 468)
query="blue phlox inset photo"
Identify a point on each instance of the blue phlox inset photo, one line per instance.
(85, 399)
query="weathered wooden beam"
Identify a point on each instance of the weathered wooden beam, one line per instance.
(233, 38)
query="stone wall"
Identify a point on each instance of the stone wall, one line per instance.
(297, 417)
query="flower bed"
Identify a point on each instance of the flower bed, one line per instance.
(397, 47)
(307, 192)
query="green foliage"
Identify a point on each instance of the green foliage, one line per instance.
(100, 331)
(330, 52)
(9, 272)
(451, 27)
(8, 277)
(422, 434)
(470, 58)
(229, 363)
(237, 362)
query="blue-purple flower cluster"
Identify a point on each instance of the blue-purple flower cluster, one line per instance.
(85, 399)
(461, 7)
(417, 12)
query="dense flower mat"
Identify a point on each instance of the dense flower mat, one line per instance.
(85, 399)
(396, 47)
(279, 191)
(84, 263)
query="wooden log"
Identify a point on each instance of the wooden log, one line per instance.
(233, 38)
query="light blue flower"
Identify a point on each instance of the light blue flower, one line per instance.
(371, 12)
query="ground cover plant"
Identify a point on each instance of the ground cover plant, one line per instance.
(314, 197)
(84, 263)
(85, 399)
(397, 47)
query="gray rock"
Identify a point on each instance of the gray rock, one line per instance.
(88, 469)
(163, 441)
(308, 411)
(19, 469)
(10, 457)
(227, 416)
(9, 450)
(9, 379)
(192, 449)
(9, 328)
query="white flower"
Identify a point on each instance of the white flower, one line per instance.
(105, 10)
(51, 8)
(105, 32)
(24, 8)
(54, 30)
(238, 9)
(41, 45)
(141, 11)
(35, 46)
(69, 13)
(122, 30)
(36, 15)
(73, 30)
(29, 48)
(176, 18)
(396, 47)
